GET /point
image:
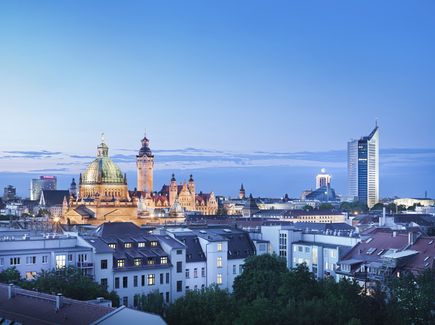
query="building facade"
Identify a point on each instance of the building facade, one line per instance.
(42, 183)
(363, 168)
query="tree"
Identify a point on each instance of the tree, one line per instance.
(71, 283)
(261, 277)
(208, 306)
(326, 206)
(377, 206)
(307, 207)
(10, 275)
(151, 303)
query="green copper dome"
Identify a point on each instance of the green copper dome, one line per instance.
(102, 170)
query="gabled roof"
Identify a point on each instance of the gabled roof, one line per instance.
(53, 197)
(194, 252)
(110, 229)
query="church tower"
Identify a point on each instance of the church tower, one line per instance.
(145, 167)
(173, 191)
(242, 193)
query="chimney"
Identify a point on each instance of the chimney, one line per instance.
(412, 237)
(11, 292)
(59, 301)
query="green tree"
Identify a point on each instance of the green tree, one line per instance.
(377, 206)
(10, 275)
(208, 306)
(261, 277)
(307, 207)
(151, 303)
(71, 283)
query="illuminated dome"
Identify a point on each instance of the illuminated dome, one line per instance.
(102, 170)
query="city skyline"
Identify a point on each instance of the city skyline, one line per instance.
(214, 85)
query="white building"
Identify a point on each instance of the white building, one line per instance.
(30, 252)
(319, 246)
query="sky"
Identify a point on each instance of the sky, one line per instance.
(260, 92)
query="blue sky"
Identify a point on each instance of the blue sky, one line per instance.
(225, 76)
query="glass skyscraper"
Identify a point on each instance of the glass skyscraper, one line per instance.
(363, 168)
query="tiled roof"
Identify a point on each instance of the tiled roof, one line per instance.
(54, 197)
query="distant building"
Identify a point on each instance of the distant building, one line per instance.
(323, 179)
(242, 193)
(409, 202)
(42, 183)
(322, 194)
(363, 168)
(9, 193)
(54, 201)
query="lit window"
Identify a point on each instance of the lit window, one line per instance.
(219, 278)
(219, 262)
(112, 246)
(60, 261)
(151, 261)
(137, 262)
(141, 245)
(120, 263)
(151, 279)
(127, 245)
(30, 276)
(164, 260)
(153, 244)
(219, 247)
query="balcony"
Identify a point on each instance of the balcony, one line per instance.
(85, 265)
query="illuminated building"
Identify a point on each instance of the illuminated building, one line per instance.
(42, 183)
(363, 168)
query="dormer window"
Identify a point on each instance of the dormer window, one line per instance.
(153, 244)
(151, 261)
(141, 245)
(127, 245)
(164, 260)
(112, 246)
(120, 263)
(137, 262)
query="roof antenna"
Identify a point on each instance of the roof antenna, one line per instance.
(102, 137)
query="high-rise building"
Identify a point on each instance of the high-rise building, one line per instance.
(323, 179)
(9, 193)
(42, 183)
(363, 168)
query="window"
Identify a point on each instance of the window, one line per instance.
(116, 283)
(125, 301)
(219, 247)
(307, 249)
(300, 248)
(219, 261)
(143, 280)
(151, 261)
(125, 281)
(104, 283)
(31, 260)
(2, 261)
(283, 245)
(179, 286)
(187, 274)
(219, 278)
(234, 269)
(333, 254)
(167, 296)
(60, 261)
(30, 275)
(137, 262)
(83, 258)
(195, 287)
(240, 269)
(120, 263)
(141, 245)
(203, 272)
(179, 267)
(187, 288)
(153, 244)
(70, 257)
(44, 259)
(135, 281)
(127, 245)
(167, 277)
(202, 286)
(179, 252)
(195, 272)
(164, 260)
(161, 278)
(112, 246)
(15, 261)
(103, 264)
(151, 279)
